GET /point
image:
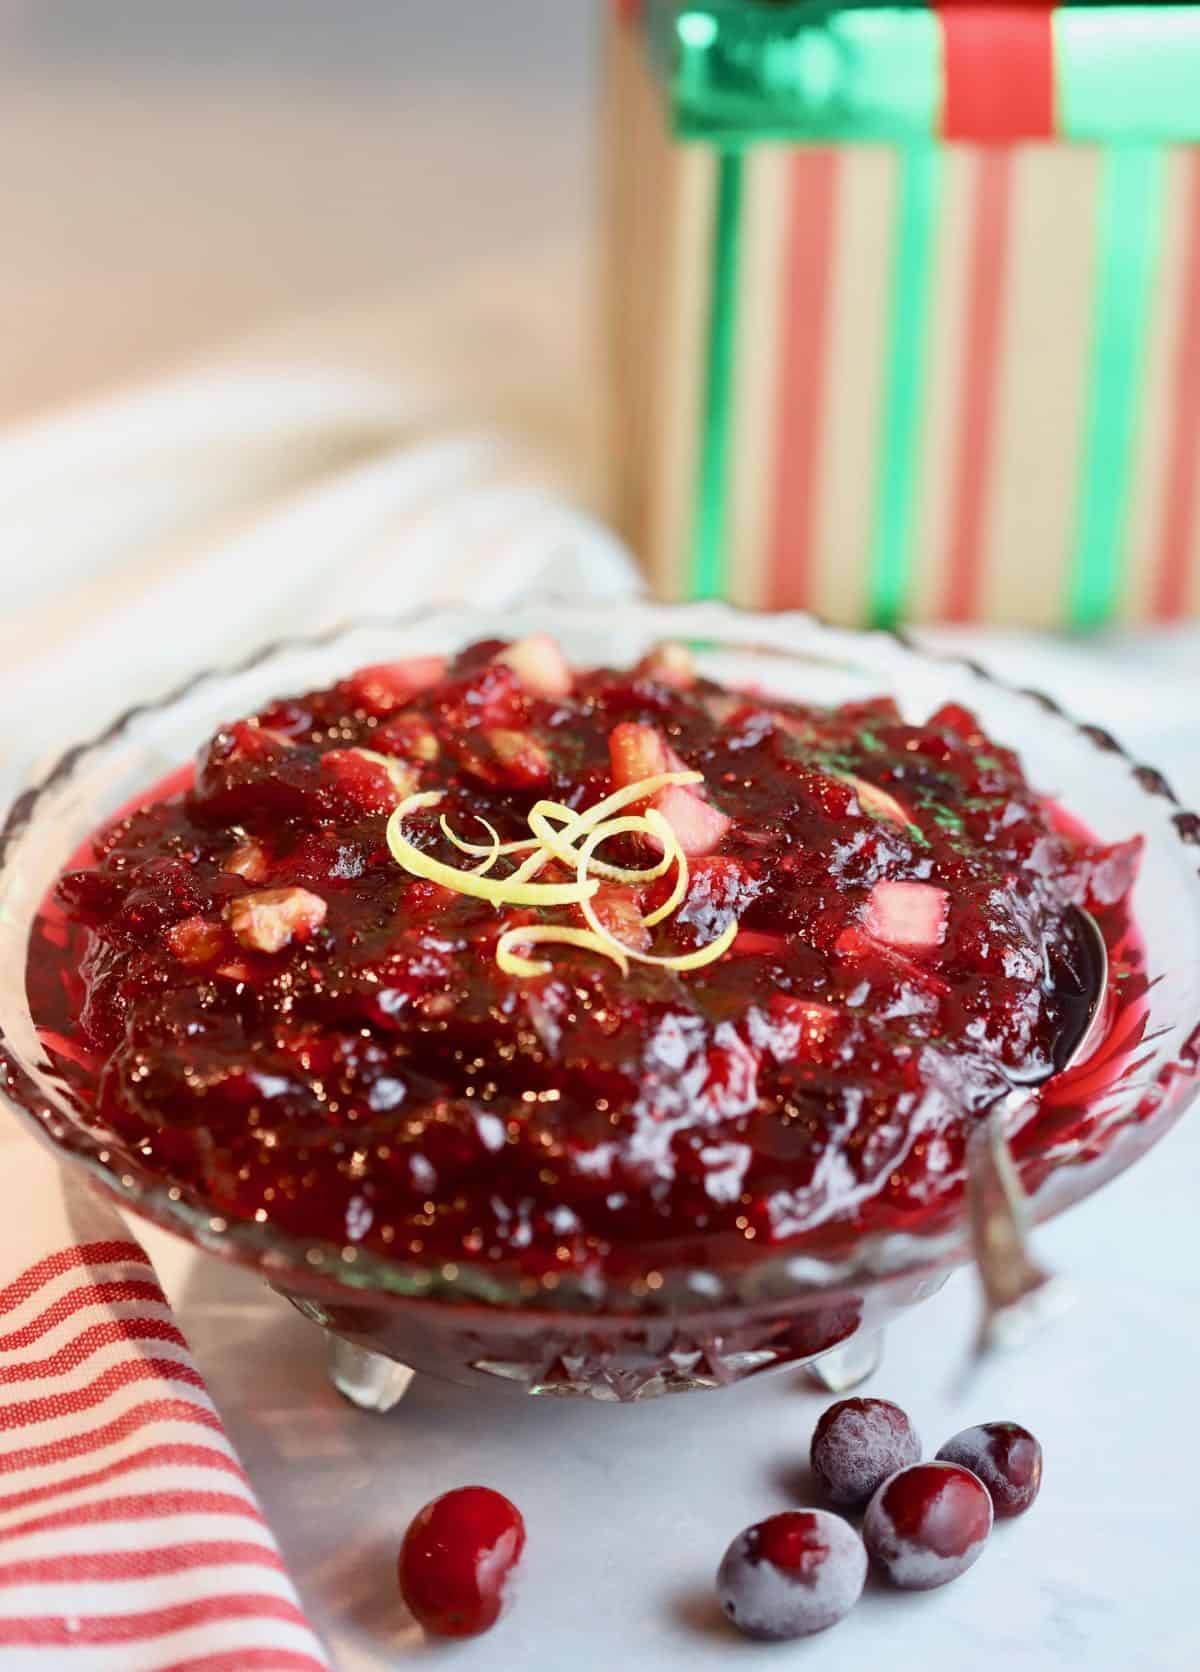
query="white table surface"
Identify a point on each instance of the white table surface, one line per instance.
(629, 1508)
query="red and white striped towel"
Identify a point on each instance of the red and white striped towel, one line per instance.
(130, 1538)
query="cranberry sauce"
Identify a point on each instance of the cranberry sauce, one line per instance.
(262, 1005)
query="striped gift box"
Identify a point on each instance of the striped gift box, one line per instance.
(905, 307)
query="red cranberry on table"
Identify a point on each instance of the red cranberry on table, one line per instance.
(857, 1444)
(927, 1524)
(457, 1561)
(792, 1575)
(1007, 1459)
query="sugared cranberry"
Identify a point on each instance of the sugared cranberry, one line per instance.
(791, 1575)
(457, 1561)
(927, 1524)
(1007, 1459)
(857, 1444)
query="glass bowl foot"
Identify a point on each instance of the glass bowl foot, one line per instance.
(366, 1379)
(846, 1366)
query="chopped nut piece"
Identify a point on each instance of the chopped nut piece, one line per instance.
(525, 761)
(270, 920)
(249, 860)
(410, 736)
(195, 940)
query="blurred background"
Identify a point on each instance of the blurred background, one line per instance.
(176, 175)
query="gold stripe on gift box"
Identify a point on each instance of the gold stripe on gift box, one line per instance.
(1043, 383)
(858, 325)
(1181, 532)
(1177, 560)
(672, 352)
(638, 168)
(622, 131)
(755, 390)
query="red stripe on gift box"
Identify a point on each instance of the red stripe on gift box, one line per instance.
(1181, 510)
(998, 70)
(803, 370)
(976, 428)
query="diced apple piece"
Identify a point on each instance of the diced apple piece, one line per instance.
(387, 686)
(618, 910)
(636, 752)
(195, 940)
(539, 664)
(270, 920)
(698, 827)
(526, 764)
(1112, 872)
(670, 664)
(877, 803)
(800, 1025)
(249, 859)
(907, 914)
(758, 943)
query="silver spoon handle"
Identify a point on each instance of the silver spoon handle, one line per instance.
(999, 1220)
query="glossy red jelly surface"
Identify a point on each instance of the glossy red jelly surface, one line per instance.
(263, 1006)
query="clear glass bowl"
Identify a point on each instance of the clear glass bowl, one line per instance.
(674, 1327)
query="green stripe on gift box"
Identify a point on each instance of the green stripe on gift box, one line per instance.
(710, 544)
(1129, 236)
(904, 390)
(1128, 72)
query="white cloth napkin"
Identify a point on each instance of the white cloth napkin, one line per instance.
(130, 1537)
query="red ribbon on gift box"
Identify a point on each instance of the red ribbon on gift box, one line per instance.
(999, 70)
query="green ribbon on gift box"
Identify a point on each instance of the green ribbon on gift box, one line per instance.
(745, 70)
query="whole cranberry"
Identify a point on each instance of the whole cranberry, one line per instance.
(1007, 1459)
(928, 1524)
(857, 1444)
(457, 1561)
(792, 1574)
